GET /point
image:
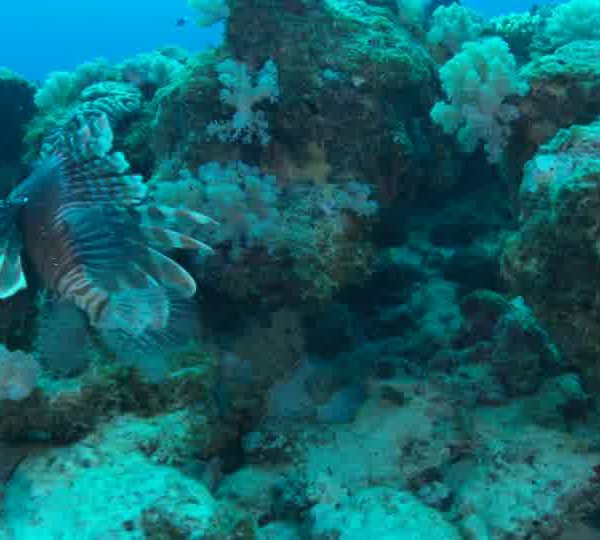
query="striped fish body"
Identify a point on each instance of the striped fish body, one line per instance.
(89, 236)
(50, 242)
(42, 234)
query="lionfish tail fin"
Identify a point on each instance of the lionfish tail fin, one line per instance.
(135, 311)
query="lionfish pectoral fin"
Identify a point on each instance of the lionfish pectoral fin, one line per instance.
(168, 240)
(164, 270)
(181, 220)
(12, 278)
(166, 229)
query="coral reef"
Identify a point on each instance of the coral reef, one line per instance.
(519, 30)
(573, 20)
(551, 258)
(64, 410)
(18, 374)
(392, 328)
(165, 502)
(350, 86)
(563, 91)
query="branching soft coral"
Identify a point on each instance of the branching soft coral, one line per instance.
(477, 81)
(242, 199)
(452, 25)
(243, 91)
(154, 70)
(307, 235)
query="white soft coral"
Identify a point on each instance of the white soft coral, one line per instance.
(452, 25)
(243, 91)
(477, 82)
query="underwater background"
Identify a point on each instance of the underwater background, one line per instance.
(300, 269)
(37, 37)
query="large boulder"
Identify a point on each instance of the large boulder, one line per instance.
(553, 259)
(564, 89)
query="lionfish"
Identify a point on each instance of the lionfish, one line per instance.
(94, 237)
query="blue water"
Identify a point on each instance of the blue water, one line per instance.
(490, 9)
(37, 36)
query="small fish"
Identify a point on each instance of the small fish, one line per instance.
(181, 22)
(94, 238)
